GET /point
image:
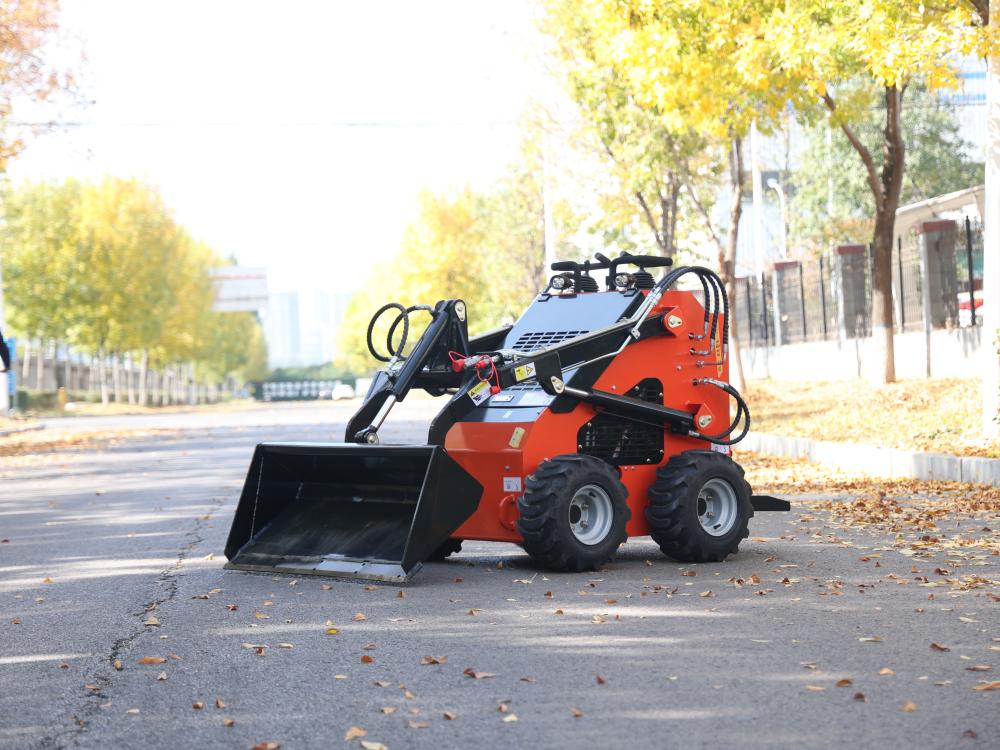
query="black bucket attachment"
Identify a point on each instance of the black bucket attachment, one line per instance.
(358, 511)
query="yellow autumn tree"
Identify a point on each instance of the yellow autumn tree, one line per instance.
(715, 66)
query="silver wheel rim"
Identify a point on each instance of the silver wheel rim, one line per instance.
(591, 514)
(718, 507)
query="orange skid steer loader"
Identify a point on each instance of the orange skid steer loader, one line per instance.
(599, 415)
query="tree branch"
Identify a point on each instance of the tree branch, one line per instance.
(703, 212)
(863, 152)
(649, 218)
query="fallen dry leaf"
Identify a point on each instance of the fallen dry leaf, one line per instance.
(886, 670)
(162, 676)
(47, 580)
(228, 722)
(151, 660)
(417, 724)
(689, 573)
(381, 683)
(870, 639)
(117, 664)
(271, 745)
(434, 660)
(558, 612)
(939, 647)
(601, 680)
(844, 683)
(401, 594)
(470, 672)
(979, 668)
(354, 732)
(359, 617)
(983, 686)
(197, 705)
(219, 703)
(815, 688)
(367, 745)
(509, 718)
(450, 715)
(909, 707)
(577, 713)
(325, 586)
(860, 697)
(152, 621)
(388, 710)
(366, 659)
(332, 631)
(132, 711)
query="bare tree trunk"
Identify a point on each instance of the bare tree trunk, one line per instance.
(116, 376)
(885, 190)
(40, 366)
(130, 380)
(893, 164)
(26, 361)
(102, 376)
(143, 374)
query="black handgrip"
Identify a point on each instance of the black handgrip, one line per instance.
(565, 265)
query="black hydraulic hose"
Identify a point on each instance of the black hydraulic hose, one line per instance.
(405, 317)
(371, 328)
(742, 410)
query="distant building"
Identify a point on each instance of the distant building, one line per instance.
(281, 327)
(301, 327)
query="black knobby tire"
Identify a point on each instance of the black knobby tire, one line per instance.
(545, 513)
(678, 496)
(447, 547)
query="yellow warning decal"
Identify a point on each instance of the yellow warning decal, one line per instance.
(523, 372)
(479, 392)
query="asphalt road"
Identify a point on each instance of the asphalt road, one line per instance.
(94, 543)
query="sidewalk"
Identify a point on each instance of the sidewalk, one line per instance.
(872, 459)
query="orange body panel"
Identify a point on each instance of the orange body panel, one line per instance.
(500, 459)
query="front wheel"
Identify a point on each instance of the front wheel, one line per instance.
(573, 513)
(699, 507)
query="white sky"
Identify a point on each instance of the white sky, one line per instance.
(295, 134)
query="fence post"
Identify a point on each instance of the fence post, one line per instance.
(972, 280)
(802, 301)
(822, 294)
(902, 290)
(779, 333)
(763, 307)
(925, 301)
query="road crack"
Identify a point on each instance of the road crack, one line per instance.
(102, 681)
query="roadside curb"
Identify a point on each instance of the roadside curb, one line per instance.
(887, 462)
(19, 430)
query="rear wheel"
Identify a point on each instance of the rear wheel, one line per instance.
(447, 547)
(573, 513)
(699, 507)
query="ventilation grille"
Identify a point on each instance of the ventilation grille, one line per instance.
(623, 442)
(529, 342)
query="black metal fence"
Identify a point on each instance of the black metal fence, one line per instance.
(937, 277)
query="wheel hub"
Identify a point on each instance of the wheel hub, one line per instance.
(718, 507)
(591, 514)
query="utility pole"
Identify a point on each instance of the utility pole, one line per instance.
(991, 243)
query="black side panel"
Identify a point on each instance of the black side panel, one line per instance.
(625, 442)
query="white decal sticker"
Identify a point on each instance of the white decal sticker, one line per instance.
(721, 449)
(479, 392)
(512, 484)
